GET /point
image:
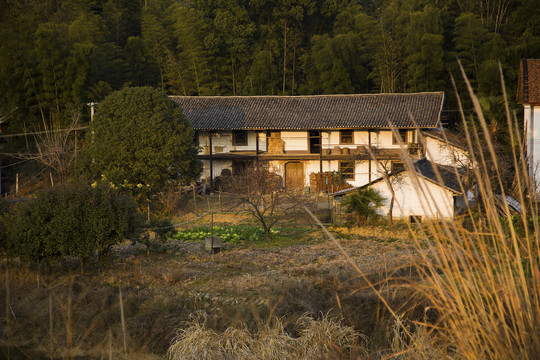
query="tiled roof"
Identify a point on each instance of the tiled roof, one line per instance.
(447, 174)
(312, 112)
(426, 168)
(529, 82)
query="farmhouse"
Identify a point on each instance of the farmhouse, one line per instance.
(298, 136)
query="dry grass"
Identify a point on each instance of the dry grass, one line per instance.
(324, 338)
(160, 291)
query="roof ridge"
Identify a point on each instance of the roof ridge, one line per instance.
(302, 96)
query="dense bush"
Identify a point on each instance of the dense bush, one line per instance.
(72, 221)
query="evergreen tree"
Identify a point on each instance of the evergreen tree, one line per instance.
(139, 136)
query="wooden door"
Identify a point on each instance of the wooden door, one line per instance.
(294, 175)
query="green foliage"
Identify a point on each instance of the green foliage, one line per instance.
(138, 136)
(365, 203)
(72, 221)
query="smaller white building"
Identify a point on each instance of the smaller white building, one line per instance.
(431, 191)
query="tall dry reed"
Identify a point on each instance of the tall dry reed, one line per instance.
(481, 276)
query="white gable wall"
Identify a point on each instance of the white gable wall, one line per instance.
(439, 152)
(430, 201)
(532, 128)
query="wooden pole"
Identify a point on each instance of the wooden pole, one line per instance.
(320, 159)
(17, 184)
(148, 200)
(211, 165)
(212, 233)
(194, 198)
(369, 160)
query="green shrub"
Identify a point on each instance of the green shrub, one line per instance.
(72, 221)
(365, 203)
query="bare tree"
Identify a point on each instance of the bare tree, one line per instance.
(262, 192)
(393, 177)
(56, 148)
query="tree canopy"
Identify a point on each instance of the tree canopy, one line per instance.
(139, 137)
(60, 54)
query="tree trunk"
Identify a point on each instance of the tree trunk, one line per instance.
(267, 235)
(391, 209)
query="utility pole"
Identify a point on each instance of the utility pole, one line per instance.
(92, 109)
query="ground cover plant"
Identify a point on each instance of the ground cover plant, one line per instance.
(228, 234)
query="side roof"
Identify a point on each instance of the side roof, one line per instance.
(426, 169)
(371, 111)
(529, 82)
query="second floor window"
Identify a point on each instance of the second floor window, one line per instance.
(240, 138)
(402, 136)
(346, 137)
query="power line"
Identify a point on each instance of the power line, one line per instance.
(44, 132)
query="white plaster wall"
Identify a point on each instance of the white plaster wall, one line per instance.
(532, 127)
(295, 140)
(439, 152)
(331, 139)
(385, 139)
(428, 200)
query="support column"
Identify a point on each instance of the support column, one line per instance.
(369, 163)
(211, 163)
(257, 149)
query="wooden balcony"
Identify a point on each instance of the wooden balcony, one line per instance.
(336, 153)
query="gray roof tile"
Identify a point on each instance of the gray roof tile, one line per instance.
(312, 112)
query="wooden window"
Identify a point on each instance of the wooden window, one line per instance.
(314, 142)
(346, 169)
(402, 135)
(240, 138)
(346, 137)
